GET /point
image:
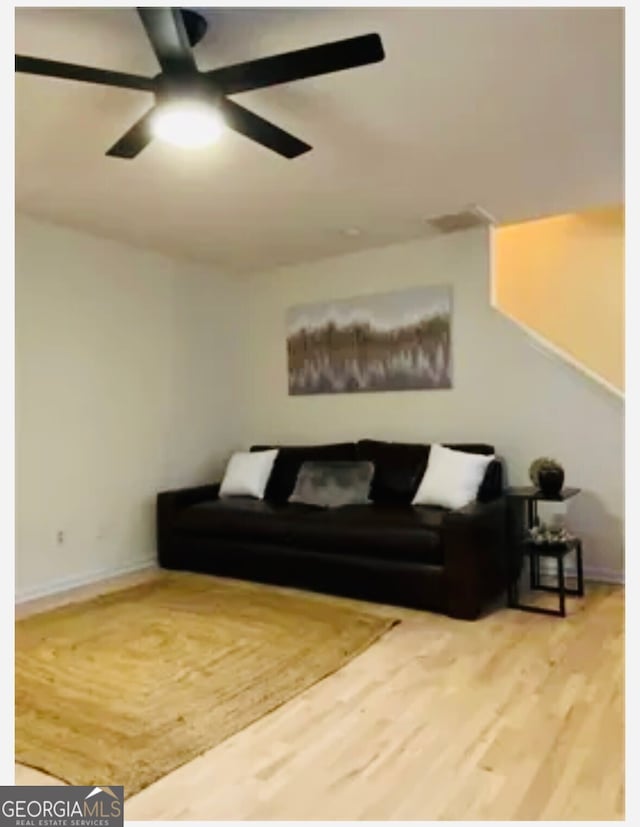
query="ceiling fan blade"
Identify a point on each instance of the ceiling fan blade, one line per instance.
(261, 131)
(166, 30)
(303, 63)
(135, 140)
(72, 71)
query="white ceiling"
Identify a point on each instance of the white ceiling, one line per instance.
(519, 110)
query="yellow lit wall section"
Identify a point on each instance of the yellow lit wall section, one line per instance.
(563, 277)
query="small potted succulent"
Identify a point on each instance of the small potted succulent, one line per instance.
(547, 475)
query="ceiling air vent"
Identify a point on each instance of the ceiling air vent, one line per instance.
(464, 220)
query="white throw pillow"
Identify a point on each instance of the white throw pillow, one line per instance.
(452, 478)
(247, 474)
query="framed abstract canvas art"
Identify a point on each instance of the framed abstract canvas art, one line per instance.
(383, 342)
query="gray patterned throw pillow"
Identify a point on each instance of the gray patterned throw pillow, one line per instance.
(332, 484)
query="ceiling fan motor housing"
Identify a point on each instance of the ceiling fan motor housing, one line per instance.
(189, 85)
(195, 26)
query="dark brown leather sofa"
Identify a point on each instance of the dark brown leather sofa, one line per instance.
(388, 551)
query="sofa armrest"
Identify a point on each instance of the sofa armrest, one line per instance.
(168, 503)
(474, 546)
(184, 497)
(478, 510)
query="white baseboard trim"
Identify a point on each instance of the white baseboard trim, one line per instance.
(594, 574)
(68, 583)
(601, 575)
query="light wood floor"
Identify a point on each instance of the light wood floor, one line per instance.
(516, 716)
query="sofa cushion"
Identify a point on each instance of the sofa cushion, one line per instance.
(290, 457)
(401, 533)
(247, 474)
(400, 466)
(491, 485)
(333, 484)
(243, 517)
(452, 478)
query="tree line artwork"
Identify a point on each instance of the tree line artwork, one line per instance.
(384, 342)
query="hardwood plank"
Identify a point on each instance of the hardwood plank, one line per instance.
(515, 716)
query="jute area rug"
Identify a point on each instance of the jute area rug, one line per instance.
(126, 687)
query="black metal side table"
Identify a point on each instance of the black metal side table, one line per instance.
(529, 497)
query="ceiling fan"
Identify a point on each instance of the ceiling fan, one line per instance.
(194, 105)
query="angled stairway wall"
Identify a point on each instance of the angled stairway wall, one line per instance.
(562, 280)
(505, 392)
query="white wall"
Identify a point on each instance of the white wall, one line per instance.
(122, 388)
(505, 392)
(204, 427)
(136, 372)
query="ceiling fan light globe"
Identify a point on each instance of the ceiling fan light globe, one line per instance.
(187, 124)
